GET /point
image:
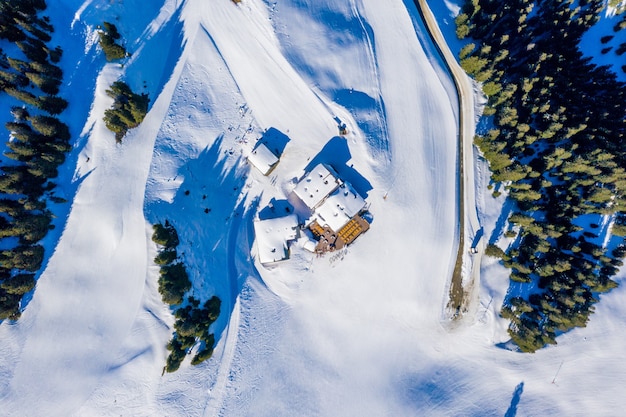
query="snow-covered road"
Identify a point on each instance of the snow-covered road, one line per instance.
(465, 279)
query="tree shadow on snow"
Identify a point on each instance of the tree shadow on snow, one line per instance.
(158, 55)
(498, 230)
(517, 395)
(210, 215)
(442, 388)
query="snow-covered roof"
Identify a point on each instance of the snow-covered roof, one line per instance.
(262, 158)
(272, 236)
(316, 186)
(339, 207)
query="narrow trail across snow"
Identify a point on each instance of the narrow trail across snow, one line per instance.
(465, 279)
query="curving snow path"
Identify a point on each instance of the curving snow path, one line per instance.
(466, 275)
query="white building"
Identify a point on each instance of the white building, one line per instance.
(316, 186)
(341, 206)
(263, 159)
(273, 237)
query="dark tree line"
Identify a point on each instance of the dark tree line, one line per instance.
(37, 145)
(557, 146)
(192, 320)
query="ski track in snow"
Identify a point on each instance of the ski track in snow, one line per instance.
(357, 333)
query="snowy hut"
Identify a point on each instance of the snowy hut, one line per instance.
(273, 237)
(263, 159)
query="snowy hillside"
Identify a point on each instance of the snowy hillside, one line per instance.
(363, 331)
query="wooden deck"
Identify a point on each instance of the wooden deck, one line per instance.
(329, 240)
(317, 230)
(355, 227)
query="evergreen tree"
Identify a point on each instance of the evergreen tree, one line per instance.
(108, 42)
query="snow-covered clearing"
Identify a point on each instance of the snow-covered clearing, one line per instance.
(602, 36)
(352, 333)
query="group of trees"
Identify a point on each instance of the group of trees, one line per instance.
(192, 327)
(128, 111)
(38, 142)
(108, 40)
(192, 320)
(174, 281)
(557, 146)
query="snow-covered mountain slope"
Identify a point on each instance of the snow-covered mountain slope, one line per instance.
(358, 332)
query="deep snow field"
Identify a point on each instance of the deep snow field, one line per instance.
(361, 332)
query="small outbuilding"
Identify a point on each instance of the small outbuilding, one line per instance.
(273, 237)
(263, 158)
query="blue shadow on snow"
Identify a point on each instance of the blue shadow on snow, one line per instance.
(337, 154)
(275, 140)
(435, 390)
(212, 221)
(517, 395)
(158, 57)
(275, 209)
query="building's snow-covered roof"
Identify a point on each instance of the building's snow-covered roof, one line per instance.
(262, 158)
(316, 185)
(272, 236)
(339, 207)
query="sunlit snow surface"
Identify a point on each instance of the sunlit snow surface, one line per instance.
(359, 332)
